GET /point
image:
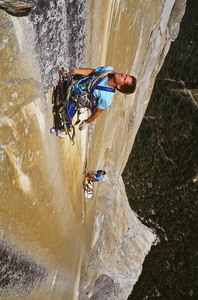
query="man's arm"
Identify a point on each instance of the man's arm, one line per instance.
(73, 71)
(95, 115)
(84, 71)
(83, 125)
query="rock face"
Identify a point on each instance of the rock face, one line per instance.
(104, 288)
(17, 7)
(75, 249)
(119, 246)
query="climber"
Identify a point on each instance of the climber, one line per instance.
(96, 176)
(100, 85)
(91, 177)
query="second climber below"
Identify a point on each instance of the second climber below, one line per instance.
(95, 176)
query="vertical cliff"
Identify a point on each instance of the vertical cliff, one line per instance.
(74, 249)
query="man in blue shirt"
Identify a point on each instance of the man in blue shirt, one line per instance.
(95, 176)
(99, 175)
(101, 84)
(89, 179)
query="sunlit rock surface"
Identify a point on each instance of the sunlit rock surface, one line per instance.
(74, 249)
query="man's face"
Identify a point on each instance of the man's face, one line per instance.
(123, 79)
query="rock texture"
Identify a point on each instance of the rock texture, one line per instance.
(85, 250)
(104, 288)
(17, 7)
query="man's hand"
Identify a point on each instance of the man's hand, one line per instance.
(66, 70)
(83, 125)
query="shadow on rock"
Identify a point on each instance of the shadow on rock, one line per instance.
(18, 270)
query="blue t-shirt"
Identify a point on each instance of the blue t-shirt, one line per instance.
(99, 176)
(103, 98)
